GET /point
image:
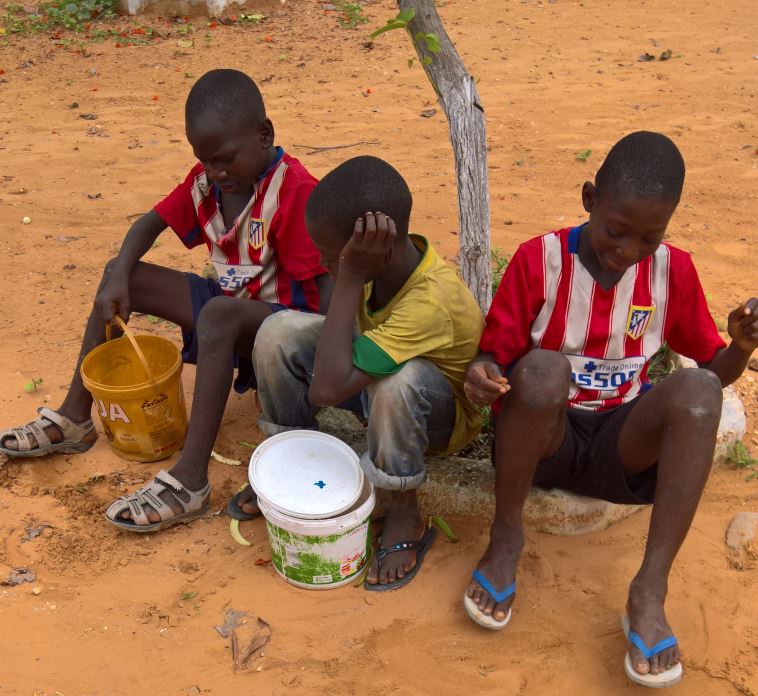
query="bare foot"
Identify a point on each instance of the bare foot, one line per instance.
(402, 523)
(248, 502)
(648, 620)
(498, 565)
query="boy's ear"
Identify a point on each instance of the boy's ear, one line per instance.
(589, 196)
(266, 133)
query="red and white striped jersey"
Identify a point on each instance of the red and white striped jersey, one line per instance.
(548, 299)
(266, 254)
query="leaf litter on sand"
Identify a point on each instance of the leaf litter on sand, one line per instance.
(18, 576)
(248, 640)
(32, 531)
(249, 635)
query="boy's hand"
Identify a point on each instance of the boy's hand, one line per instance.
(114, 298)
(371, 244)
(743, 325)
(484, 383)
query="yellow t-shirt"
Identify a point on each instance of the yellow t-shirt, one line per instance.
(433, 316)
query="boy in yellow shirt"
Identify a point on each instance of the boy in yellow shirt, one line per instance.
(418, 328)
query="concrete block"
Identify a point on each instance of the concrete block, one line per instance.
(194, 8)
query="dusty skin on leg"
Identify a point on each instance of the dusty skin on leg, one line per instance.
(226, 325)
(530, 427)
(675, 424)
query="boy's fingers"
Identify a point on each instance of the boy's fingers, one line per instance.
(381, 226)
(750, 307)
(484, 384)
(478, 397)
(358, 228)
(370, 225)
(493, 371)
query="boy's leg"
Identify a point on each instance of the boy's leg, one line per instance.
(409, 412)
(225, 326)
(283, 359)
(675, 425)
(530, 427)
(153, 289)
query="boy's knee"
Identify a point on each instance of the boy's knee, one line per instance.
(277, 328)
(696, 395)
(215, 319)
(541, 379)
(286, 333)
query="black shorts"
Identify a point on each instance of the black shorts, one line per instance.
(588, 462)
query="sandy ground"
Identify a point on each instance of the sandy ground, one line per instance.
(555, 78)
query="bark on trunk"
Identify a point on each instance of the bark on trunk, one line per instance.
(460, 101)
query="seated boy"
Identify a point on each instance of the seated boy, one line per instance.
(245, 199)
(419, 327)
(566, 347)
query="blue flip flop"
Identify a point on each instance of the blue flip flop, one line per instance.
(421, 546)
(656, 681)
(477, 615)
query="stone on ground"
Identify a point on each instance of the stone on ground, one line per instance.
(742, 530)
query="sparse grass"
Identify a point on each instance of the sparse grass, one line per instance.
(350, 14)
(740, 458)
(73, 15)
(499, 264)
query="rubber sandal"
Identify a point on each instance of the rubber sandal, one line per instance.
(233, 507)
(655, 681)
(194, 504)
(477, 615)
(421, 546)
(73, 434)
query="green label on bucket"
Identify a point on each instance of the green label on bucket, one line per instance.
(318, 560)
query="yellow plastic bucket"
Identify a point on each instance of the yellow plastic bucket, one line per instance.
(136, 382)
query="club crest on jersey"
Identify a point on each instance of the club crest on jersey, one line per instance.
(638, 321)
(257, 233)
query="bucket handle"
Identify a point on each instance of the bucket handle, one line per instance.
(134, 343)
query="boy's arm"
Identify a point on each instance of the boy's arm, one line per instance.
(113, 297)
(335, 378)
(325, 286)
(730, 362)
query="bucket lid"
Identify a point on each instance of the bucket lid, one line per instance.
(306, 474)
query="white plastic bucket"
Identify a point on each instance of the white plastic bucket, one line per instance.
(306, 474)
(321, 554)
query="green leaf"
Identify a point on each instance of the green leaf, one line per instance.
(188, 595)
(432, 41)
(583, 155)
(443, 527)
(71, 8)
(245, 443)
(406, 15)
(399, 22)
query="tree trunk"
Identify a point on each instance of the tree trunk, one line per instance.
(460, 101)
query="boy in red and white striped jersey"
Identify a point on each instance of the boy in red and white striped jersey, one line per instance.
(563, 361)
(245, 200)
